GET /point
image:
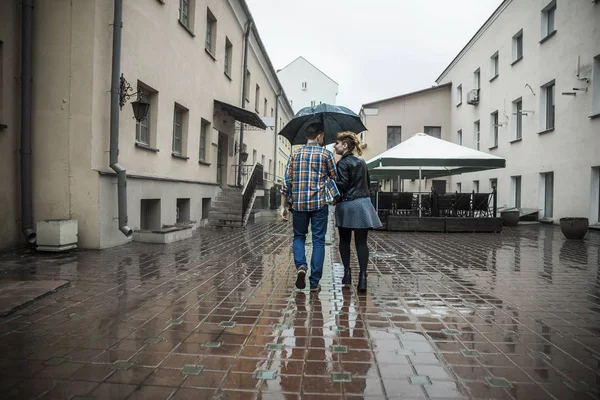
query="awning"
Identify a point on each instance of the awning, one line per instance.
(240, 114)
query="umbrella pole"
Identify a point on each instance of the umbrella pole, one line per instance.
(420, 207)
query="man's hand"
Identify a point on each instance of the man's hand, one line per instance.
(283, 212)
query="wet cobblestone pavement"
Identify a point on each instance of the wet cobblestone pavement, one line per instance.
(509, 316)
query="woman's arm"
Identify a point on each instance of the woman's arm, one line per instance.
(343, 176)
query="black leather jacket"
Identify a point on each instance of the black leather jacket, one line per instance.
(353, 178)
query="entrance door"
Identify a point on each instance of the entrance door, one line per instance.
(221, 159)
(548, 194)
(439, 186)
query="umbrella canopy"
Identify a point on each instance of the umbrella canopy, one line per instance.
(334, 119)
(432, 157)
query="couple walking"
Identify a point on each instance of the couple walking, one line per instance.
(312, 182)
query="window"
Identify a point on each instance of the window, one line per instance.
(518, 119)
(495, 65)
(435, 131)
(265, 107)
(459, 137)
(459, 187)
(228, 55)
(256, 97)
(304, 85)
(547, 194)
(204, 129)
(596, 87)
(459, 95)
(211, 31)
(270, 167)
(145, 131)
(494, 128)
(313, 103)
(186, 13)
(265, 172)
(516, 191)
(493, 184)
(518, 46)
(247, 88)
(394, 136)
(254, 156)
(548, 20)
(548, 109)
(476, 186)
(476, 135)
(179, 128)
(272, 112)
(477, 79)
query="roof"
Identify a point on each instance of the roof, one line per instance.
(313, 65)
(476, 36)
(445, 85)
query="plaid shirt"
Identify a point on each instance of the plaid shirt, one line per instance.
(309, 181)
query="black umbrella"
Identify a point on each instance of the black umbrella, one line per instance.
(333, 119)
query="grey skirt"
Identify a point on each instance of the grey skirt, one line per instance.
(357, 214)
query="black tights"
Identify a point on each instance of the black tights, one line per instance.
(362, 250)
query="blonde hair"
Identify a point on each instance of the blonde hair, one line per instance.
(351, 140)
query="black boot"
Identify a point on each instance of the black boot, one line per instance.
(347, 279)
(362, 282)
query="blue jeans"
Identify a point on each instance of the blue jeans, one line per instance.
(318, 224)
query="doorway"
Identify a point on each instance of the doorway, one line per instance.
(548, 183)
(222, 160)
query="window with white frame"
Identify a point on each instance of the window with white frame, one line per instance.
(247, 88)
(476, 186)
(459, 187)
(204, 129)
(265, 107)
(254, 156)
(435, 131)
(459, 95)
(256, 98)
(144, 129)
(304, 85)
(548, 114)
(493, 184)
(313, 103)
(186, 13)
(548, 14)
(494, 128)
(179, 128)
(211, 31)
(477, 79)
(459, 137)
(596, 86)
(394, 136)
(477, 135)
(517, 46)
(517, 107)
(228, 56)
(495, 65)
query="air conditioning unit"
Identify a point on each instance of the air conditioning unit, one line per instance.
(473, 97)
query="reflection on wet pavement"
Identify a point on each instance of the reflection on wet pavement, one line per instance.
(510, 316)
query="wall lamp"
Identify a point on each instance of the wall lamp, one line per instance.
(140, 107)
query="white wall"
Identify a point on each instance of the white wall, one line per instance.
(319, 87)
(573, 147)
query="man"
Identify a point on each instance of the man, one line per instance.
(309, 184)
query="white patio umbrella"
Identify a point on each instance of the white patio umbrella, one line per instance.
(425, 156)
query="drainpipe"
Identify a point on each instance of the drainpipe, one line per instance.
(276, 131)
(26, 105)
(245, 70)
(114, 119)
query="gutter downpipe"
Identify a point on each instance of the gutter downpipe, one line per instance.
(276, 149)
(244, 78)
(114, 119)
(26, 111)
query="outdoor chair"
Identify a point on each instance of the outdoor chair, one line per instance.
(481, 207)
(462, 204)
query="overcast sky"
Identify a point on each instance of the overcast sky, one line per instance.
(374, 49)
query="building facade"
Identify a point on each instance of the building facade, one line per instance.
(186, 58)
(526, 87)
(306, 85)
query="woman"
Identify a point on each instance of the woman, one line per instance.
(354, 211)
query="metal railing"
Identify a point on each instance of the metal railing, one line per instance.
(255, 181)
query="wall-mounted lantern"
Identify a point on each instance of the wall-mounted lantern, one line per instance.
(140, 107)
